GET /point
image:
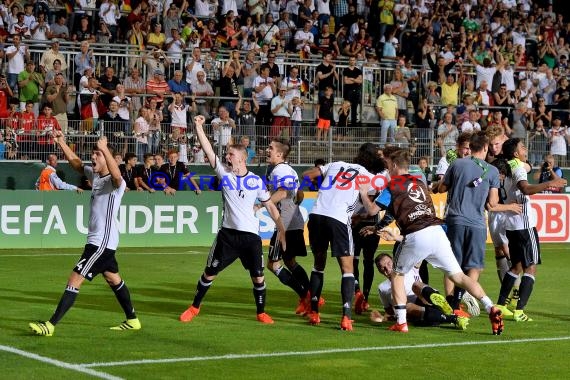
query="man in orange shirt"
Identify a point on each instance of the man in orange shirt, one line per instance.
(49, 180)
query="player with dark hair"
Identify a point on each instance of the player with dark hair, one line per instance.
(238, 236)
(283, 184)
(102, 236)
(524, 245)
(425, 306)
(408, 200)
(471, 184)
(329, 223)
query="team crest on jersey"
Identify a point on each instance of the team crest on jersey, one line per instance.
(416, 193)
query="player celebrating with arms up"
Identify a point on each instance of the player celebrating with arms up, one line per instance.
(239, 235)
(102, 236)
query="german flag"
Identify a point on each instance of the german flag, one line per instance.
(69, 5)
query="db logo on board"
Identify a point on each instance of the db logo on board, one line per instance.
(552, 212)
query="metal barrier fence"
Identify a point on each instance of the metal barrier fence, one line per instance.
(31, 144)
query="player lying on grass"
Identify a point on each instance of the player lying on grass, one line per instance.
(425, 306)
(102, 236)
(408, 200)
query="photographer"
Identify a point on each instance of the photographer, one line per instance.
(548, 172)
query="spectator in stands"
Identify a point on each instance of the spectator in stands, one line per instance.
(447, 134)
(47, 124)
(57, 95)
(246, 119)
(108, 85)
(136, 38)
(141, 130)
(202, 89)
(352, 89)
(484, 100)
(177, 84)
(113, 126)
(178, 113)
(172, 20)
(129, 171)
(557, 138)
(157, 86)
(50, 55)
(156, 38)
(26, 122)
(229, 92)
(155, 130)
(268, 31)
(125, 106)
(109, 14)
(174, 45)
(145, 173)
(223, 126)
(520, 120)
(84, 31)
(400, 90)
(193, 64)
(561, 100)
(549, 171)
(304, 39)
(281, 108)
(88, 105)
(82, 60)
(326, 73)
(156, 59)
(16, 54)
(503, 100)
(176, 170)
(387, 109)
(53, 71)
(30, 82)
(472, 125)
(19, 28)
(440, 69)
(538, 143)
(325, 115)
(6, 94)
(59, 28)
(135, 86)
(40, 29)
(265, 88)
(49, 180)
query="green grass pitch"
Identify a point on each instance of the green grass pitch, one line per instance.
(225, 341)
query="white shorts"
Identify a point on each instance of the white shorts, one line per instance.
(429, 244)
(497, 229)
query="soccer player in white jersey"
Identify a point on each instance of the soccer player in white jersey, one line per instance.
(330, 223)
(425, 306)
(102, 236)
(524, 246)
(283, 184)
(239, 235)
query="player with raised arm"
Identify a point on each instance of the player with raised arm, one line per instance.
(408, 200)
(283, 184)
(330, 223)
(102, 236)
(238, 236)
(524, 246)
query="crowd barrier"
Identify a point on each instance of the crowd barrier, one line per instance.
(32, 219)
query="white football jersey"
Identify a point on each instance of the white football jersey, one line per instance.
(527, 218)
(338, 195)
(103, 228)
(239, 194)
(284, 176)
(385, 288)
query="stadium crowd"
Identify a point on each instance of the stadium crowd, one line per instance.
(452, 66)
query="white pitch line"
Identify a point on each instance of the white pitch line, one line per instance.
(316, 352)
(58, 363)
(120, 253)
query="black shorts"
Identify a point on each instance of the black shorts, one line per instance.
(295, 240)
(95, 260)
(524, 247)
(230, 245)
(324, 230)
(366, 244)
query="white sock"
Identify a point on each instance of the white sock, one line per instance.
(487, 303)
(400, 311)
